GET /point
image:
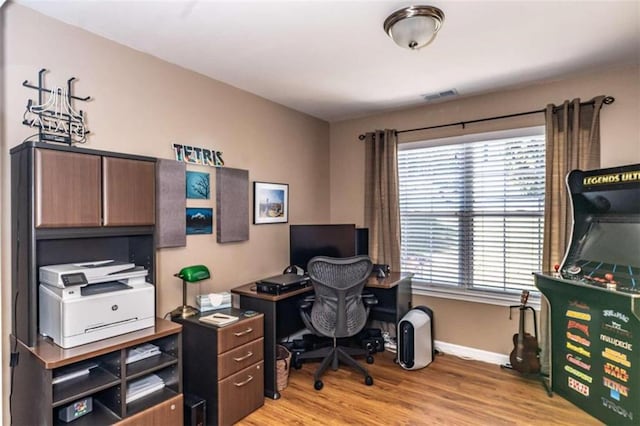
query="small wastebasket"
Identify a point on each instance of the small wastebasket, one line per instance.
(283, 363)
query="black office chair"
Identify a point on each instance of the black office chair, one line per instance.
(337, 310)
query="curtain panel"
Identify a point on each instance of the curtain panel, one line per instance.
(382, 208)
(572, 142)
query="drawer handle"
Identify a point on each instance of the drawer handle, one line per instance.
(245, 382)
(242, 333)
(242, 358)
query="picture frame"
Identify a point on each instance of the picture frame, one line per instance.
(270, 203)
(199, 220)
(198, 185)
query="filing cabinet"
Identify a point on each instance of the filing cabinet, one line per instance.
(225, 365)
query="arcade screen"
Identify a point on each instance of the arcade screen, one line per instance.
(612, 243)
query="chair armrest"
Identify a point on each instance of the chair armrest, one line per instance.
(369, 299)
(306, 302)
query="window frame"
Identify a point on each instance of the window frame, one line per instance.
(470, 294)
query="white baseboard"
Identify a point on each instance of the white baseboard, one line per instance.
(471, 353)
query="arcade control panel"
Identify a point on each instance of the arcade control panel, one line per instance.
(623, 278)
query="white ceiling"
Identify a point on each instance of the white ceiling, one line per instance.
(332, 60)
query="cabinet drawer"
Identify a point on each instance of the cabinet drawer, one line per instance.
(234, 335)
(241, 394)
(240, 357)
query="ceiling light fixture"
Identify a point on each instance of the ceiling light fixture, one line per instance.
(414, 27)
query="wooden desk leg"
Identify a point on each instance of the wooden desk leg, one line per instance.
(269, 310)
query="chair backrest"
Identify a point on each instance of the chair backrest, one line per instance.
(338, 310)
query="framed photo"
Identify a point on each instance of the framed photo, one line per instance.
(199, 221)
(270, 203)
(198, 186)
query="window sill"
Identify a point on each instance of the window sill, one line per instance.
(476, 296)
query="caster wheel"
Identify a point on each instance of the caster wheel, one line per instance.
(368, 380)
(369, 359)
(297, 365)
(318, 384)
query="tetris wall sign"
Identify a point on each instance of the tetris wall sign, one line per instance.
(53, 114)
(195, 155)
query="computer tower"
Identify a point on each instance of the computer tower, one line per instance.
(195, 410)
(415, 339)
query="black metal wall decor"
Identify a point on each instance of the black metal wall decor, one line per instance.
(55, 117)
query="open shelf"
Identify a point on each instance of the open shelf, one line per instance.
(149, 365)
(150, 400)
(100, 415)
(71, 390)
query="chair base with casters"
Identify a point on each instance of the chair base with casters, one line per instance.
(332, 356)
(338, 309)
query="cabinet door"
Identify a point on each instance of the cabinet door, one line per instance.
(67, 189)
(129, 192)
(169, 413)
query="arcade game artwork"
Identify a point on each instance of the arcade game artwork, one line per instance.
(594, 297)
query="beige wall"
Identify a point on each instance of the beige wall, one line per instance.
(483, 326)
(141, 106)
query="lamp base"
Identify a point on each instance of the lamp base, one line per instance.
(184, 311)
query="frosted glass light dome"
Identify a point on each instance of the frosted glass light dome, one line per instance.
(414, 27)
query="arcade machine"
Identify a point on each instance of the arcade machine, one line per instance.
(594, 297)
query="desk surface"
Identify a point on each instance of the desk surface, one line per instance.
(53, 356)
(392, 280)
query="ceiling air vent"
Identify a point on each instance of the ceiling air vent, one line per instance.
(437, 96)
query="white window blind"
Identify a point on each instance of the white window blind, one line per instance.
(472, 213)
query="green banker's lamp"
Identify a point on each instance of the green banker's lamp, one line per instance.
(190, 274)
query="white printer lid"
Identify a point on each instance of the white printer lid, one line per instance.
(88, 272)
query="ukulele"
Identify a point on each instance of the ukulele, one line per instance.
(524, 356)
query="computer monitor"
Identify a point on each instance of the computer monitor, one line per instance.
(308, 241)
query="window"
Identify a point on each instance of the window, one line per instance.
(472, 211)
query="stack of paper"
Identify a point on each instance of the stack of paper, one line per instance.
(141, 352)
(211, 301)
(143, 387)
(219, 319)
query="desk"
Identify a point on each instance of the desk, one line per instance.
(282, 315)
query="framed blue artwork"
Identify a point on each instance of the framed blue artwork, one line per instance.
(270, 202)
(199, 220)
(198, 185)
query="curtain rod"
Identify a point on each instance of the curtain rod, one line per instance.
(608, 100)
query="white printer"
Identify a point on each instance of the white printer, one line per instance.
(83, 302)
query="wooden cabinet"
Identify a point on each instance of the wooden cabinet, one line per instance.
(77, 189)
(67, 189)
(225, 366)
(104, 375)
(128, 192)
(60, 198)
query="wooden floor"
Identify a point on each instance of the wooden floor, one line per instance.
(450, 391)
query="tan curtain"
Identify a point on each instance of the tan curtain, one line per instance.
(572, 142)
(381, 205)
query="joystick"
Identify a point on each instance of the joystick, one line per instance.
(610, 283)
(574, 270)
